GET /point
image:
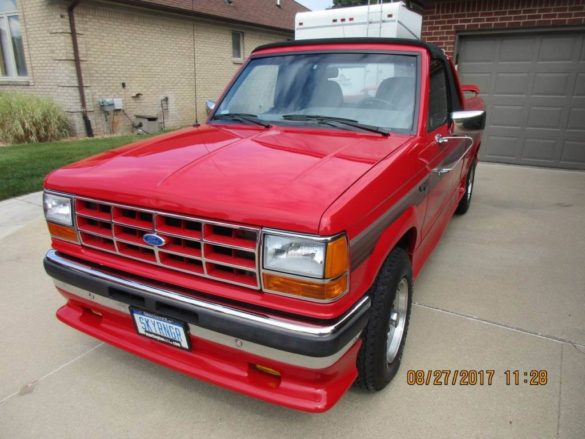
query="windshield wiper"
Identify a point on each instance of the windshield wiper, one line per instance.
(332, 120)
(242, 117)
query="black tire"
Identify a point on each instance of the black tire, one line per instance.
(465, 202)
(375, 372)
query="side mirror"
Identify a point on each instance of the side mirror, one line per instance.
(465, 122)
(209, 106)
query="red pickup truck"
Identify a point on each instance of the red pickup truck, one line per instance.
(273, 249)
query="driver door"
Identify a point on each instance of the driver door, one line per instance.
(438, 152)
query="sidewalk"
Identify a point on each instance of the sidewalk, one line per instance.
(16, 212)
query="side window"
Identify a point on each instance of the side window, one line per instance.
(237, 46)
(438, 98)
(256, 94)
(12, 62)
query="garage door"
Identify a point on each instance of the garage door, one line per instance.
(534, 88)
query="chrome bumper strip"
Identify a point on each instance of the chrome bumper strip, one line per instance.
(263, 320)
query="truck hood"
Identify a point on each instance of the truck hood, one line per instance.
(281, 177)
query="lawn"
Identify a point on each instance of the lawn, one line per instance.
(24, 167)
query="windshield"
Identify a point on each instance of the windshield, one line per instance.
(377, 90)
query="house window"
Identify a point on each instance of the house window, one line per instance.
(12, 62)
(237, 45)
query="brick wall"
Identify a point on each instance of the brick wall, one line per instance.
(189, 61)
(154, 54)
(442, 20)
(49, 55)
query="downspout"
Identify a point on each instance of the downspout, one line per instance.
(195, 68)
(77, 59)
(195, 76)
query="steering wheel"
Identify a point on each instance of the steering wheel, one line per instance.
(373, 102)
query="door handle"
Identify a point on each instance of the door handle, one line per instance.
(442, 171)
(440, 139)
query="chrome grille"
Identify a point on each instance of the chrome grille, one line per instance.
(211, 249)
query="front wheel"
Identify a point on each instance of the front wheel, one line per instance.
(384, 336)
(465, 202)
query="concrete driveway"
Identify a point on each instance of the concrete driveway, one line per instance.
(505, 290)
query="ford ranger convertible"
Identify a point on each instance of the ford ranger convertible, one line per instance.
(273, 249)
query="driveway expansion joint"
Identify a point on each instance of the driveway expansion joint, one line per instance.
(28, 388)
(578, 346)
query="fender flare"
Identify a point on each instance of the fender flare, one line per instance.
(388, 240)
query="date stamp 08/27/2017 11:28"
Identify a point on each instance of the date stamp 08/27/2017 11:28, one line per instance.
(475, 377)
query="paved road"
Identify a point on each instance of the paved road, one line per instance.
(504, 290)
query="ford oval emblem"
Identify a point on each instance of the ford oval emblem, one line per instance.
(154, 240)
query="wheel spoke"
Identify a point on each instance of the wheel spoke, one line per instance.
(397, 320)
(394, 318)
(470, 183)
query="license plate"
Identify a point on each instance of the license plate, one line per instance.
(161, 328)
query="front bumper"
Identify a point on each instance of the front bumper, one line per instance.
(316, 360)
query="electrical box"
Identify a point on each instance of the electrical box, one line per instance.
(386, 20)
(111, 104)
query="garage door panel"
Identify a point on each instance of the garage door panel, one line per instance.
(552, 84)
(545, 117)
(580, 85)
(534, 88)
(516, 50)
(541, 133)
(511, 84)
(573, 154)
(576, 119)
(539, 150)
(554, 67)
(558, 48)
(479, 51)
(506, 116)
(510, 67)
(502, 148)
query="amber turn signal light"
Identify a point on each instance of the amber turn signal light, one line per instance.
(337, 259)
(63, 232)
(267, 370)
(327, 290)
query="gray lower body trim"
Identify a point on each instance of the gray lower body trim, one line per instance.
(363, 244)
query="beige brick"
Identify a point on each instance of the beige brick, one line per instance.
(155, 54)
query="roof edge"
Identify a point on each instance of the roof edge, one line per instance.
(435, 51)
(174, 10)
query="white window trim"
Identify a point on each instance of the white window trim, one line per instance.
(11, 70)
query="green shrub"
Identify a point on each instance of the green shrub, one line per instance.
(28, 118)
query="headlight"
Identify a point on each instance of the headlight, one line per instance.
(58, 209)
(300, 256)
(311, 267)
